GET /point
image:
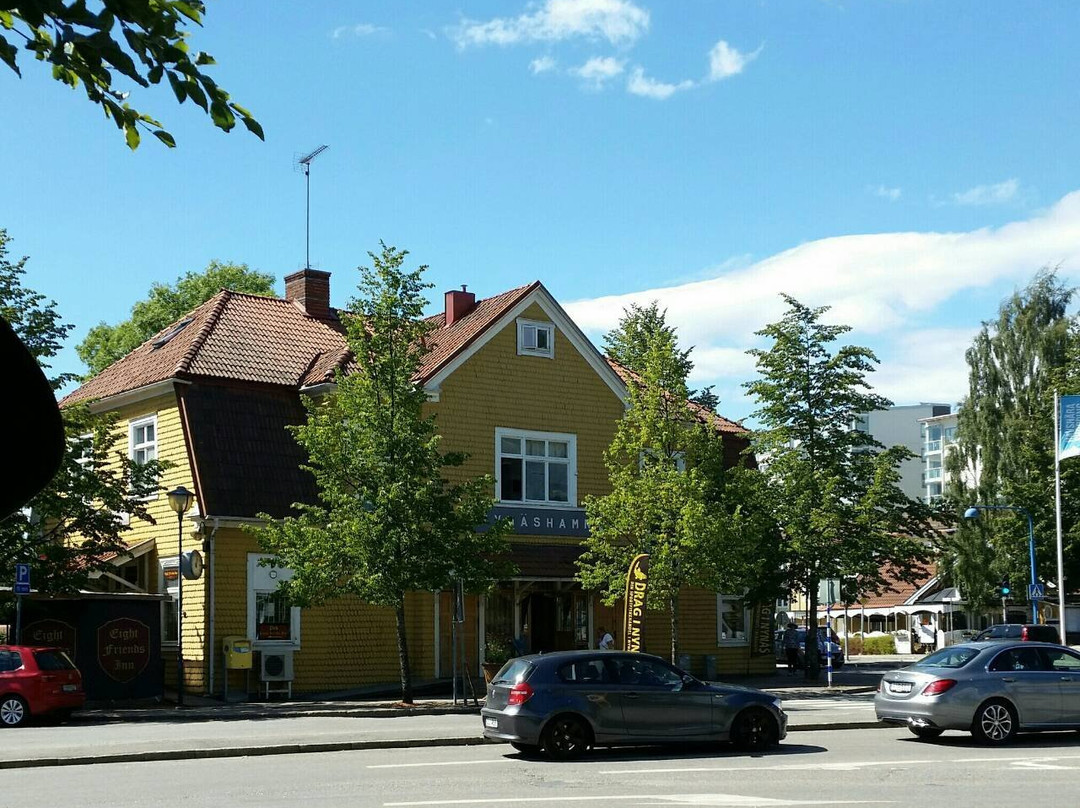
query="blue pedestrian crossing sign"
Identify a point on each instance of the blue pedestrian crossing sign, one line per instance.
(1036, 592)
(22, 579)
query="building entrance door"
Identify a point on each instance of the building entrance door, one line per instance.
(542, 622)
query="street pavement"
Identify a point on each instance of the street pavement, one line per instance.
(872, 767)
(210, 729)
(81, 743)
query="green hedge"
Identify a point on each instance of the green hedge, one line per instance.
(885, 644)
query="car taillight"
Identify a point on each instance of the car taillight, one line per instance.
(519, 694)
(1024, 633)
(938, 686)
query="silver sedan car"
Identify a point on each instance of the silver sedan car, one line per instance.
(991, 689)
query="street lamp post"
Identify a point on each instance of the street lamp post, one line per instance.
(973, 513)
(180, 500)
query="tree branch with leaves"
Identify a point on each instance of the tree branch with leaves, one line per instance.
(143, 41)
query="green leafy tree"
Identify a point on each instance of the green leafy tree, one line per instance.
(665, 468)
(165, 304)
(832, 490)
(388, 522)
(70, 529)
(144, 41)
(1004, 452)
(628, 344)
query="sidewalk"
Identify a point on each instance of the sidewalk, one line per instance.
(210, 729)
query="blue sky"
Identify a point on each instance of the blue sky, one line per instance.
(907, 161)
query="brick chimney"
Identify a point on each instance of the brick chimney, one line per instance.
(310, 288)
(458, 304)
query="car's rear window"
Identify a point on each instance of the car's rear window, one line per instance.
(10, 661)
(53, 661)
(956, 656)
(513, 672)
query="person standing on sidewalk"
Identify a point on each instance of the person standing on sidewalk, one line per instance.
(606, 641)
(791, 647)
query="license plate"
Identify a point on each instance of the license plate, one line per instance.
(899, 687)
(491, 723)
(70, 688)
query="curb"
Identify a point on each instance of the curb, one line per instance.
(118, 717)
(308, 748)
(241, 751)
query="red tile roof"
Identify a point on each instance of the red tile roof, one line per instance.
(896, 593)
(252, 338)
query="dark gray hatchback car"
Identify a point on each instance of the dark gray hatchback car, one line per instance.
(566, 702)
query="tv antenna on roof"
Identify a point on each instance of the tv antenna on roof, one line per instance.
(305, 161)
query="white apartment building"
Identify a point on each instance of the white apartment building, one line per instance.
(903, 425)
(939, 436)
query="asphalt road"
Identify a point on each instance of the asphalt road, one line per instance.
(852, 767)
(75, 740)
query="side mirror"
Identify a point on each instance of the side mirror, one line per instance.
(689, 681)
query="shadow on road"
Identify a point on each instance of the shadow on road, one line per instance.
(1027, 740)
(697, 751)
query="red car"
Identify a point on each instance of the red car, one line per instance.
(37, 681)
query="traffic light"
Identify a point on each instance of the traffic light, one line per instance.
(1003, 588)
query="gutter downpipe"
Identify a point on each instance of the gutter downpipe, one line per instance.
(211, 569)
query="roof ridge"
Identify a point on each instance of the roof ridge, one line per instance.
(219, 301)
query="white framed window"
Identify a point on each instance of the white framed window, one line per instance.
(169, 584)
(142, 449)
(535, 468)
(271, 617)
(732, 620)
(536, 338)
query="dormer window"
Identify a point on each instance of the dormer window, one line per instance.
(536, 339)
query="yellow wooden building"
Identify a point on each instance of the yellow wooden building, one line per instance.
(512, 381)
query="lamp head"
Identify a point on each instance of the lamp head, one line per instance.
(971, 513)
(180, 500)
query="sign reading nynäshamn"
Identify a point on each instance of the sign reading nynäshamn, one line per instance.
(637, 582)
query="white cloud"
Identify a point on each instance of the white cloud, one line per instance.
(542, 65)
(640, 84)
(892, 194)
(616, 21)
(599, 70)
(926, 365)
(358, 30)
(988, 194)
(884, 285)
(726, 61)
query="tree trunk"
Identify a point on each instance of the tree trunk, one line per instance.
(811, 658)
(403, 654)
(673, 605)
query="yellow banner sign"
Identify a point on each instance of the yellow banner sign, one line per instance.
(637, 581)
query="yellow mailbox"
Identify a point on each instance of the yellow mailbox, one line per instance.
(237, 651)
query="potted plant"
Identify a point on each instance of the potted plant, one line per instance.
(497, 652)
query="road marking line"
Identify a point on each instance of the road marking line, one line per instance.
(439, 763)
(1036, 764)
(1040, 761)
(683, 799)
(792, 767)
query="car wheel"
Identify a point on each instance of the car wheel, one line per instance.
(566, 737)
(754, 730)
(926, 733)
(525, 748)
(995, 723)
(13, 711)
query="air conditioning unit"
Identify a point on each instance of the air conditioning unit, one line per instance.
(276, 666)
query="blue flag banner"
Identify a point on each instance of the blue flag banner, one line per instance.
(1069, 427)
